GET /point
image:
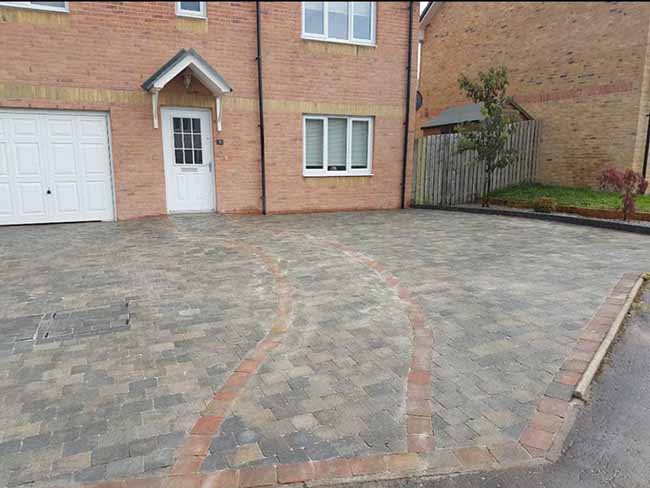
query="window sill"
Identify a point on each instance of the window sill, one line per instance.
(334, 175)
(189, 15)
(340, 41)
(38, 8)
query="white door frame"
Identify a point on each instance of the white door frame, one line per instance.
(109, 142)
(166, 114)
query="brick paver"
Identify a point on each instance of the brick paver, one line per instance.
(264, 350)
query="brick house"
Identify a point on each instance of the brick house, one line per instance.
(582, 68)
(119, 110)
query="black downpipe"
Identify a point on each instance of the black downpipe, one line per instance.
(261, 105)
(647, 145)
(407, 114)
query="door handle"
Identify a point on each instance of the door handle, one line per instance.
(210, 166)
(49, 192)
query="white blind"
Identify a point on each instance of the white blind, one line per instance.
(361, 20)
(337, 20)
(337, 139)
(314, 18)
(359, 144)
(314, 143)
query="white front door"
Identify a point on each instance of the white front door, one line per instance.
(189, 163)
(54, 167)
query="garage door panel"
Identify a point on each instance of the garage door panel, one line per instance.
(63, 160)
(66, 196)
(4, 160)
(55, 167)
(58, 127)
(92, 128)
(24, 127)
(92, 155)
(31, 199)
(6, 201)
(98, 197)
(28, 159)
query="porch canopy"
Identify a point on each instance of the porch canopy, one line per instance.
(188, 61)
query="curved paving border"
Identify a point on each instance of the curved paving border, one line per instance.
(195, 449)
(418, 385)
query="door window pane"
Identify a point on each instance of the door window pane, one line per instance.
(337, 20)
(187, 140)
(313, 144)
(314, 18)
(337, 135)
(359, 141)
(178, 156)
(361, 20)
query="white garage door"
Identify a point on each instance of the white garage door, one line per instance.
(54, 167)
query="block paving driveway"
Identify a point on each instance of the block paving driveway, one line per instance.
(284, 339)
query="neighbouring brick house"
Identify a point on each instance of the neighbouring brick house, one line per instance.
(582, 68)
(118, 110)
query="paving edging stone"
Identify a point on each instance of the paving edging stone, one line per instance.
(596, 361)
(554, 411)
(565, 219)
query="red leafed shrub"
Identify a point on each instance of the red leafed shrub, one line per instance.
(627, 183)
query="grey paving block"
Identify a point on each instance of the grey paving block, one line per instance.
(91, 475)
(125, 468)
(109, 454)
(81, 444)
(162, 458)
(214, 462)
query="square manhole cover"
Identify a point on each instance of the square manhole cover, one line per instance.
(70, 324)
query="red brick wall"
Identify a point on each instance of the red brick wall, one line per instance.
(577, 66)
(112, 47)
(330, 74)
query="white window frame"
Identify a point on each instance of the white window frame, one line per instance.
(349, 171)
(202, 14)
(351, 39)
(31, 6)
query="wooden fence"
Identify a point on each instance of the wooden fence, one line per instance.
(443, 177)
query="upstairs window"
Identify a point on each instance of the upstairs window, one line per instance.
(52, 6)
(191, 9)
(337, 145)
(351, 22)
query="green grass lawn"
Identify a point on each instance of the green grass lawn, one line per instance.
(567, 196)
